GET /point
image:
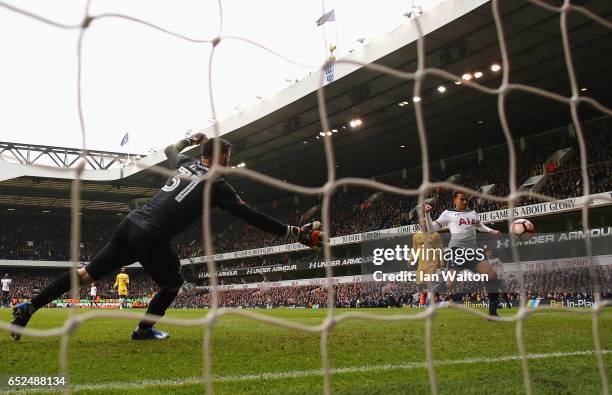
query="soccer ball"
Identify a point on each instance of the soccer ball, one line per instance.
(522, 228)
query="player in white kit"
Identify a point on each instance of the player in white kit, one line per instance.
(93, 294)
(463, 225)
(6, 291)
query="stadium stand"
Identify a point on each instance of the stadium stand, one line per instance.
(552, 285)
(27, 283)
(544, 284)
(44, 236)
(32, 239)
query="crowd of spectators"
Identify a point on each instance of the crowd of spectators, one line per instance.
(27, 284)
(555, 284)
(558, 284)
(349, 214)
(347, 295)
(45, 236)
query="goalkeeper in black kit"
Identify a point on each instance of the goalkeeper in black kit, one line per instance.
(143, 236)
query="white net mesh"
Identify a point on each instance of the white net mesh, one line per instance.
(333, 183)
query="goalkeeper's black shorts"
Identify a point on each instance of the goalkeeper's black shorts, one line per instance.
(132, 244)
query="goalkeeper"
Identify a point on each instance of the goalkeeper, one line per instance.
(143, 236)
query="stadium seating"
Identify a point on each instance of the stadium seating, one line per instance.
(36, 236)
(550, 284)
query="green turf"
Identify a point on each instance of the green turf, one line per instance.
(100, 352)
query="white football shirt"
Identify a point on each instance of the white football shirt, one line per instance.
(462, 226)
(6, 284)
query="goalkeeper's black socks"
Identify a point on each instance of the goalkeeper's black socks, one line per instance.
(57, 288)
(158, 306)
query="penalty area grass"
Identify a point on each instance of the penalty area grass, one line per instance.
(472, 356)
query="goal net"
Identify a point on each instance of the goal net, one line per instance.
(418, 76)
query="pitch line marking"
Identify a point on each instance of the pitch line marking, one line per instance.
(311, 372)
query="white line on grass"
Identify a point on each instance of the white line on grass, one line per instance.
(312, 372)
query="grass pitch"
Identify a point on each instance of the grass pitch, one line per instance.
(473, 356)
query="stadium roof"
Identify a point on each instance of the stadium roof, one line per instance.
(278, 136)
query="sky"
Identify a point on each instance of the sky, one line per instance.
(153, 86)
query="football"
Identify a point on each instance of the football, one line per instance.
(522, 228)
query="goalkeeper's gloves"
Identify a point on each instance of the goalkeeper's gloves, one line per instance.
(196, 138)
(308, 234)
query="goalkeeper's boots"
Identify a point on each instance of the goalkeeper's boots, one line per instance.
(149, 334)
(21, 315)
